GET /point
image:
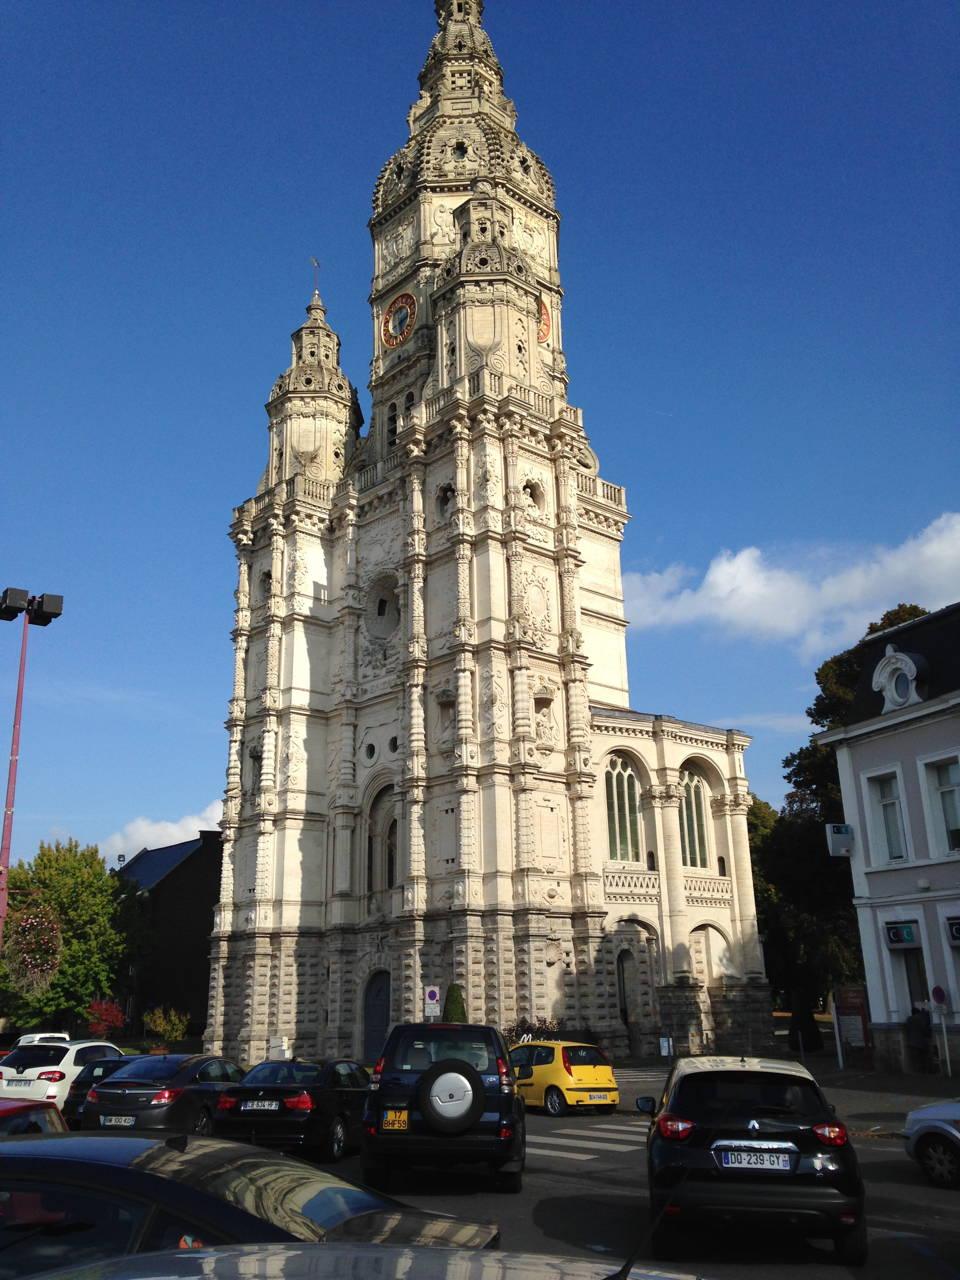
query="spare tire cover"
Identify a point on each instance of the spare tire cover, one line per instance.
(450, 1096)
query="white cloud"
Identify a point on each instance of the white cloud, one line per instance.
(747, 592)
(148, 833)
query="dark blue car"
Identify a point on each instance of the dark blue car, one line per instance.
(442, 1095)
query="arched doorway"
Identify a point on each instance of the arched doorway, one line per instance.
(376, 1015)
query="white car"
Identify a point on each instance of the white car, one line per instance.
(933, 1139)
(43, 1070)
(43, 1037)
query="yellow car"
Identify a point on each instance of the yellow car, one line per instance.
(564, 1074)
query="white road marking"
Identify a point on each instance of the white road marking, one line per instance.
(556, 1155)
(604, 1144)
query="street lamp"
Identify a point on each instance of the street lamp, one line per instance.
(40, 611)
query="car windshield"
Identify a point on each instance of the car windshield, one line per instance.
(720, 1095)
(150, 1069)
(586, 1055)
(284, 1073)
(36, 1055)
(291, 1195)
(418, 1048)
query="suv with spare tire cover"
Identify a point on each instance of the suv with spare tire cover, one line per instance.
(444, 1094)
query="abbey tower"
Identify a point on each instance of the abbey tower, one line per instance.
(434, 774)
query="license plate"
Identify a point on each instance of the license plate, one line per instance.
(118, 1122)
(260, 1104)
(18, 1084)
(597, 1097)
(394, 1120)
(755, 1160)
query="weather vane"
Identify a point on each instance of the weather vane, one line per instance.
(316, 274)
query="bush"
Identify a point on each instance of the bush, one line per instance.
(168, 1025)
(32, 948)
(104, 1017)
(454, 1006)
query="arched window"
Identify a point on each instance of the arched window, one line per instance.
(651, 860)
(381, 843)
(391, 854)
(623, 800)
(391, 424)
(721, 866)
(409, 400)
(693, 827)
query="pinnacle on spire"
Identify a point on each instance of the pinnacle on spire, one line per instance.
(460, 10)
(315, 308)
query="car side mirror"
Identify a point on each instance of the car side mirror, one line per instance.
(647, 1105)
(524, 1073)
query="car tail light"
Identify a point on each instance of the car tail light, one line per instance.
(92, 1095)
(673, 1127)
(506, 1078)
(565, 1062)
(163, 1097)
(55, 1076)
(370, 1130)
(299, 1102)
(505, 1132)
(831, 1135)
(377, 1073)
(225, 1102)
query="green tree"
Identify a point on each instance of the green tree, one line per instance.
(454, 1006)
(804, 897)
(74, 884)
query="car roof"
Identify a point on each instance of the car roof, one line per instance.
(556, 1044)
(10, 1105)
(115, 1149)
(775, 1066)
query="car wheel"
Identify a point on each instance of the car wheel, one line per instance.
(451, 1096)
(851, 1247)
(203, 1125)
(554, 1102)
(940, 1161)
(336, 1143)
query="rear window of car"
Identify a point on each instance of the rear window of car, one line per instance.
(418, 1048)
(38, 1120)
(713, 1096)
(284, 1073)
(94, 1071)
(586, 1055)
(149, 1069)
(36, 1055)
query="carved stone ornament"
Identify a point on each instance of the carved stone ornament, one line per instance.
(493, 703)
(533, 616)
(895, 677)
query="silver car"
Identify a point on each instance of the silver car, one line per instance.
(933, 1140)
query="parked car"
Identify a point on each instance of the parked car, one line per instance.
(43, 1037)
(933, 1140)
(91, 1075)
(48, 1070)
(338, 1261)
(565, 1074)
(316, 1107)
(79, 1198)
(751, 1139)
(27, 1115)
(170, 1092)
(444, 1095)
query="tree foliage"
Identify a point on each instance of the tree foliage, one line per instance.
(32, 946)
(104, 1017)
(454, 1006)
(804, 896)
(168, 1025)
(74, 885)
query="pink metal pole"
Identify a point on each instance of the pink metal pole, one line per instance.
(12, 778)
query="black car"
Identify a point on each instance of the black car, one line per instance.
(444, 1095)
(91, 1075)
(77, 1198)
(172, 1092)
(315, 1107)
(746, 1140)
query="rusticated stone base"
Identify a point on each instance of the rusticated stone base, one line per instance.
(742, 1017)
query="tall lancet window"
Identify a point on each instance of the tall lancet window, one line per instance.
(623, 801)
(693, 826)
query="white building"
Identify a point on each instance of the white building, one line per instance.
(434, 774)
(899, 760)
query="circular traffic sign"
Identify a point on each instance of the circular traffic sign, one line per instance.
(939, 995)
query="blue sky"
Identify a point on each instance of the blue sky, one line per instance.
(759, 251)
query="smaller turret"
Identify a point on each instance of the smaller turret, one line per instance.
(314, 414)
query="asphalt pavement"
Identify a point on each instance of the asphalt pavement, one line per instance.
(584, 1193)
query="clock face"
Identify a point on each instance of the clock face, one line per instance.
(543, 328)
(398, 320)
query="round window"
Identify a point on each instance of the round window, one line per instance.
(901, 686)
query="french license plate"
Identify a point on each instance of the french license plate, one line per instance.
(755, 1160)
(19, 1084)
(260, 1104)
(118, 1122)
(597, 1097)
(394, 1120)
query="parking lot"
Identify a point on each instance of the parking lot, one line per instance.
(585, 1194)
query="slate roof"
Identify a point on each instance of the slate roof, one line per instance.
(148, 867)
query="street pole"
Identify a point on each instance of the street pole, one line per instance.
(12, 778)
